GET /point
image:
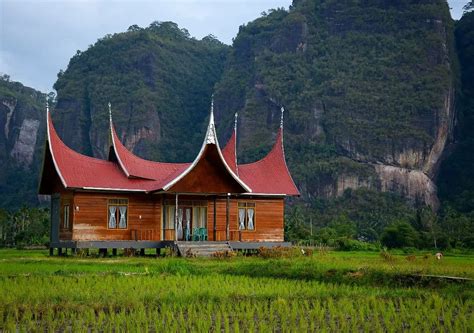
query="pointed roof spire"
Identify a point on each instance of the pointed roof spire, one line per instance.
(211, 136)
(47, 105)
(230, 150)
(281, 117)
(235, 121)
(110, 112)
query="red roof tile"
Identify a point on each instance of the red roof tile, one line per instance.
(270, 175)
(229, 153)
(80, 171)
(136, 167)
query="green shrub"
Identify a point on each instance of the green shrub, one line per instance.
(347, 244)
(400, 234)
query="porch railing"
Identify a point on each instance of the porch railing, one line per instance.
(142, 234)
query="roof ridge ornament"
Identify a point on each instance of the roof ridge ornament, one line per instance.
(211, 137)
(110, 112)
(47, 105)
(281, 117)
(235, 121)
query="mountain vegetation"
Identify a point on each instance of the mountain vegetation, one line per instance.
(379, 116)
(22, 131)
(369, 94)
(456, 180)
(159, 81)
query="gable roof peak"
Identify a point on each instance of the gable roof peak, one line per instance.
(211, 136)
(110, 112)
(281, 117)
(236, 116)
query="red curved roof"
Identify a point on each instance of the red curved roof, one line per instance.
(80, 171)
(229, 153)
(270, 175)
(136, 167)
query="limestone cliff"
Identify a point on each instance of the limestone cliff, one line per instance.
(22, 130)
(159, 81)
(368, 88)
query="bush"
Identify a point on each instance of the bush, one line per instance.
(400, 234)
(348, 244)
(281, 252)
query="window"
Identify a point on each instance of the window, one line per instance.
(246, 216)
(199, 217)
(169, 217)
(117, 212)
(66, 223)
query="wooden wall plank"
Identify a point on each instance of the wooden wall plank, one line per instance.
(89, 217)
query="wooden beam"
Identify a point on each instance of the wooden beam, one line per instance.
(215, 221)
(55, 210)
(176, 218)
(227, 213)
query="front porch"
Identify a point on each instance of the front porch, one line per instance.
(180, 246)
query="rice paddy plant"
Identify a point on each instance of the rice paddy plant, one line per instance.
(237, 295)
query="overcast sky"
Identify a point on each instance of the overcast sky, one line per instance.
(38, 37)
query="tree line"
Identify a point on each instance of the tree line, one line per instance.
(25, 226)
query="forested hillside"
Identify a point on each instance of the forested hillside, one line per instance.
(456, 180)
(159, 81)
(22, 131)
(369, 93)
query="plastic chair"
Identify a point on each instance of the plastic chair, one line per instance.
(203, 234)
(196, 234)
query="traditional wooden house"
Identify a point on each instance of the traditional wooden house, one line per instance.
(130, 202)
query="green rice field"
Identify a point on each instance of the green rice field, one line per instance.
(323, 292)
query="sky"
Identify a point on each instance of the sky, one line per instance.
(38, 37)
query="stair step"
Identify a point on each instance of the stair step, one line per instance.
(202, 249)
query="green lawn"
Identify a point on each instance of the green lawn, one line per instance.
(334, 291)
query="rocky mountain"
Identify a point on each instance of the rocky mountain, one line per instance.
(456, 179)
(368, 86)
(22, 131)
(159, 81)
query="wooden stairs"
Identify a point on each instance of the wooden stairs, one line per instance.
(202, 249)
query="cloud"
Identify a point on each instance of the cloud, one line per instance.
(38, 37)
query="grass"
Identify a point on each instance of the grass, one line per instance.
(336, 291)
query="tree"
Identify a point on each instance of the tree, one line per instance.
(400, 234)
(134, 27)
(343, 226)
(429, 222)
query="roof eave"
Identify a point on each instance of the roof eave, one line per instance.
(51, 149)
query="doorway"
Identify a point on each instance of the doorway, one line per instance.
(184, 223)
